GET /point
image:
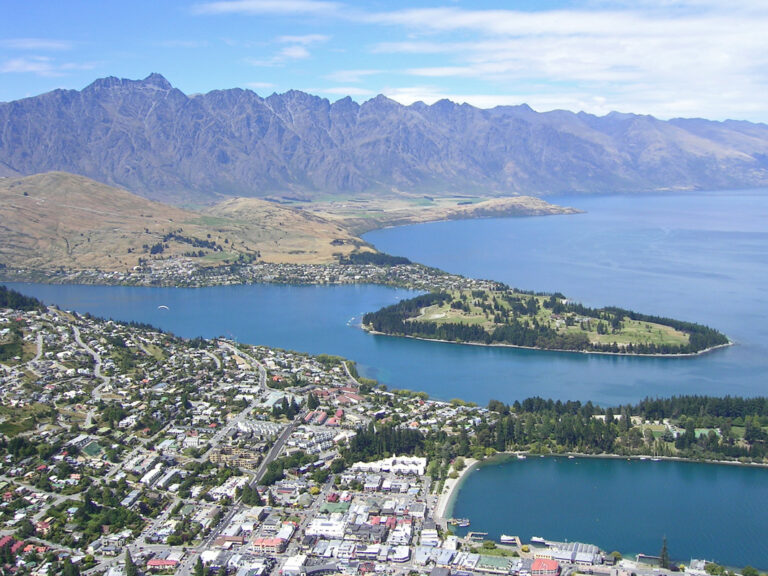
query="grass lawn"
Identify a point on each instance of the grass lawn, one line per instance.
(493, 309)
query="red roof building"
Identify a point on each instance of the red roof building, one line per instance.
(160, 564)
(545, 567)
(269, 545)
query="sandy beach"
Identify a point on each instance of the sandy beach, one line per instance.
(451, 484)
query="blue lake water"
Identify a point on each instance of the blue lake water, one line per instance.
(697, 257)
(702, 258)
(714, 512)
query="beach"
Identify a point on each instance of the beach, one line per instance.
(450, 486)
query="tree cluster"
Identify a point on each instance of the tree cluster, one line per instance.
(12, 299)
(376, 442)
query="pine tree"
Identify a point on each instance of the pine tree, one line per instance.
(130, 565)
(199, 569)
(69, 569)
(664, 555)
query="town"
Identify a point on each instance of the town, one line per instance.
(127, 450)
(185, 272)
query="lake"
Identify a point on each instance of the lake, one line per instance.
(706, 511)
(702, 258)
(699, 257)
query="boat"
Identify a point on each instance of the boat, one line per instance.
(571, 457)
(504, 539)
(538, 540)
(163, 307)
(461, 522)
(521, 456)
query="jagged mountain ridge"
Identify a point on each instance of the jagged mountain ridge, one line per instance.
(151, 138)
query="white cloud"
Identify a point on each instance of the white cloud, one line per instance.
(305, 40)
(267, 7)
(442, 71)
(665, 57)
(42, 66)
(348, 91)
(294, 53)
(409, 94)
(259, 85)
(37, 44)
(687, 52)
(352, 76)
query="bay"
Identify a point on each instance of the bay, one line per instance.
(713, 512)
(702, 258)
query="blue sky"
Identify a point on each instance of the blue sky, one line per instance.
(690, 58)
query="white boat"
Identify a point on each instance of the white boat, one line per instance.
(504, 539)
(521, 456)
(538, 540)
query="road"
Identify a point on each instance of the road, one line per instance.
(352, 379)
(220, 435)
(97, 362)
(251, 359)
(214, 358)
(39, 352)
(96, 372)
(277, 447)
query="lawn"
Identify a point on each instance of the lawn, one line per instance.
(484, 310)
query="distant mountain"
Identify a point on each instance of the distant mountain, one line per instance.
(150, 138)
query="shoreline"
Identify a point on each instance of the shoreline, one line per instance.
(637, 457)
(644, 458)
(627, 354)
(447, 497)
(450, 489)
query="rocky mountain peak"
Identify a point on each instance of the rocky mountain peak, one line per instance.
(150, 138)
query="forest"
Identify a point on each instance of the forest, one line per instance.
(695, 427)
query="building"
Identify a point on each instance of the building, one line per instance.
(545, 567)
(269, 545)
(294, 565)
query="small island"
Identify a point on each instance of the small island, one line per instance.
(508, 317)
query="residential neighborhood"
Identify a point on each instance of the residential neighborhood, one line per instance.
(124, 448)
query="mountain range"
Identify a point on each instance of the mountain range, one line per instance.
(152, 139)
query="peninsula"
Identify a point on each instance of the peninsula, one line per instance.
(500, 316)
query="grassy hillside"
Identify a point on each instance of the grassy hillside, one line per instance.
(365, 213)
(286, 234)
(59, 220)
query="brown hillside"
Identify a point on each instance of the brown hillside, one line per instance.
(58, 219)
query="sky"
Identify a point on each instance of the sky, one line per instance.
(668, 58)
